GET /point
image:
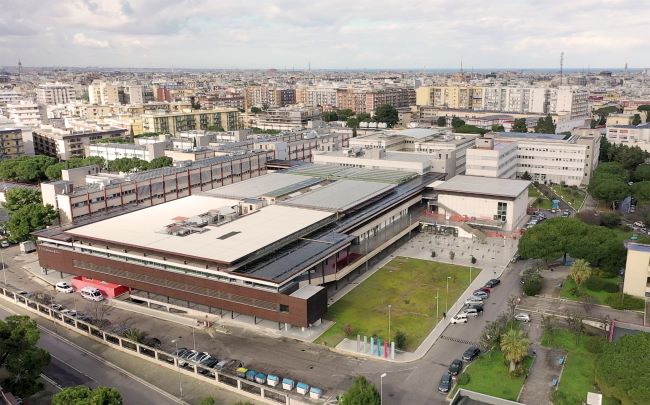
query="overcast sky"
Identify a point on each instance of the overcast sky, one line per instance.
(327, 33)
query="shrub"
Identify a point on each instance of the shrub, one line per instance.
(347, 330)
(610, 219)
(598, 284)
(400, 339)
(473, 260)
(452, 255)
(624, 301)
(532, 285)
(463, 379)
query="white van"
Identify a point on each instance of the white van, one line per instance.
(91, 293)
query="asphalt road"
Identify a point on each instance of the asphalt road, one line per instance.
(72, 365)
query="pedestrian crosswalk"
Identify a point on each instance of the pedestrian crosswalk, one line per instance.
(458, 340)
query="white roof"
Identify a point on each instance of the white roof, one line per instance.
(247, 234)
(492, 186)
(257, 186)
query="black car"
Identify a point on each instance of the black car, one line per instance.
(477, 307)
(456, 367)
(471, 353)
(493, 283)
(445, 383)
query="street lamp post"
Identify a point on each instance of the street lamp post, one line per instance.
(446, 295)
(389, 306)
(180, 382)
(470, 274)
(381, 388)
(437, 306)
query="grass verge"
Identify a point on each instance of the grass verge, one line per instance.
(489, 375)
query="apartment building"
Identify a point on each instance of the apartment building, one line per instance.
(25, 114)
(101, 194)
(268, 97)
(165, 122)
(524, 100)
(286, 118)
(112, 151)
(9, 97)
(11, 143)
(637, 270)
(55, 93)
(103, 93)
(67, 143)
(315, 96)
(303, 147)
(492, 159)
(553, 158)
(630, 135)
(398, 97)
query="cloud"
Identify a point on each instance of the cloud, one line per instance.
(82, 40)
(329, 34)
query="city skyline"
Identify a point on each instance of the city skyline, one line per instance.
(336, 35)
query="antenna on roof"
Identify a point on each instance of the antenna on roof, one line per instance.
(561, 66)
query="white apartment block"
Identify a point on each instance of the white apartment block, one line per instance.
(318, 96)
(55, 93)
(553, 158)
(630, 135)
(490, 159)
(9, 97)
(24, 114)
(113, 151)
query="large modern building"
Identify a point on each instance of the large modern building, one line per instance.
(630, 135)
(286, 118)
(637, 270)
(96, 194)
(24, 114)
(164, 122)
(492, 159)
(112, 151)
(262, 248)
(549, 158)
(55, 93)
(491, 203)
(68, 143)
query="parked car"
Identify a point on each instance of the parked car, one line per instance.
(91, 293)
(183, 359)
(64, 287)
(456, 367)
(460, 318)
(4, 244)
(473, 300)
(477, 308)
(56, 307)
(208, 363)
(566, 214)
(485, 290)
(229, 364)
(493, 283)
(445, 383)
(480, 297)
(471, 353)
(481, 293)
(523, 317)
(473, 312)
(198, 357)
(639, 224)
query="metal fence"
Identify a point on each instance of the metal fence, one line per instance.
(220, 378)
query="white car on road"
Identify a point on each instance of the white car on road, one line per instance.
(460, 318)
(64, 287)
(523, 317)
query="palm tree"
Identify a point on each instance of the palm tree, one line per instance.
(580, 271)
(514, 345)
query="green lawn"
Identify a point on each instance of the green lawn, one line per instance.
(578, 375)
(600, 296)
(543, 203)
(409, 286)
(572, 196)
(489, 375)
(533, 191)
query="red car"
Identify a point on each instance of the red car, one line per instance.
(485, 289)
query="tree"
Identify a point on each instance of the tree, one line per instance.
(352, 122)
(126, 165)
(519, 125)
(636, 120)
(608, 189)
(364, 117)
(20, 356)
(526, 176)
(532, 285)
(388, 114)
(19, 197)
(162, 161)
(452, 255)
(362, 392)
(135, 335)
(28, 219)
(549, 325)
(512, 304)
(641, 190)
(575, 324)
(400, 340)
(328, 116)
(457, 122)
(602, 114)
(642, 172)
(207, 401)
(82, 395)
(441, 121)
(514, 345)
(645, 108)
(344, 114)
(497, 128)
(545, 125)
(580, 271)
(256, 110)
(622, 369)
(470, 129)
(492, 331)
